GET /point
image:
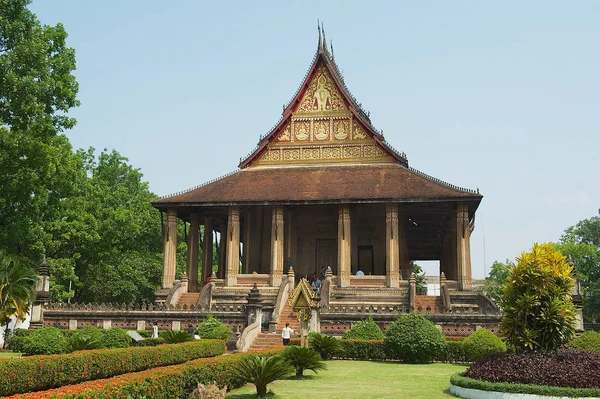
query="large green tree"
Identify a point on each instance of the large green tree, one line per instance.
(581, 243)
(493, 284)
(37, 89)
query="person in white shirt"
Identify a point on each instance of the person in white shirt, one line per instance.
(286, 334)
(155, 330)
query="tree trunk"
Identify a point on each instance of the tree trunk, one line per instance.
(261, 390)
(299, 372)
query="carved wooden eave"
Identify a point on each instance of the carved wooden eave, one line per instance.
(303, 297)
(324, 59)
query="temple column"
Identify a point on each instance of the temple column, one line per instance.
(169, 256)
(222, 251)
(463, 255)
(207, 250)
(344, 236)
(277, 247)
(392, 259)
(192, 252)
(232, 246)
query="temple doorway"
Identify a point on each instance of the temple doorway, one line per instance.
(366, 259)
(326, 255)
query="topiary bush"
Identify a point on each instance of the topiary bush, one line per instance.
(454, 353)
(325, 345)
(414, 339)
(45, 341)
(115, 338)
(365, 330)
(362, 350)
(482, 343)
(212, 328)
(565, 368)
(589, 341)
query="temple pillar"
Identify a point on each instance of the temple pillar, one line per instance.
(192, 252)
(232, 240)
(277, 247)
(207, 250)
(222, 251)
(169, 256)
(392, 259)
(463, 255)
(344, 252)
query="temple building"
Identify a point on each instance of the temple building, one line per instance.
(323, 189)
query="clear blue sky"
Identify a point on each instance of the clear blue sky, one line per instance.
(503, 96)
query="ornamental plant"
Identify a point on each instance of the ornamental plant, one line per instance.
(175, 337)
(303, 359)
(325, 345)
(536, 301)
(482, 343)
(45, 341)
(261, 371)
(364, 329)
(589, 341)
(212, 328)
(414, 339)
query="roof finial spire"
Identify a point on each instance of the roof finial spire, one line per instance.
(319, 28)
(324, 39)
(332, 55)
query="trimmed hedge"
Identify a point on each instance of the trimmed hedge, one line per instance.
(589, 341)
(482, 343)
(151, 342)
(158, 383)
(362, 350)
(415, 339)
(38, 373)
(454, 353)
(508, 387)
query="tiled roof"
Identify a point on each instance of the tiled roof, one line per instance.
(318, 184)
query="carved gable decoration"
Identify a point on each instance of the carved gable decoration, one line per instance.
(303, 297)
(322, 94)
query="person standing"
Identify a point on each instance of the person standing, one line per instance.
(286, 334)
(155, 330)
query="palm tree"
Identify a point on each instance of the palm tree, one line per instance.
(261, 371)
(17, 284)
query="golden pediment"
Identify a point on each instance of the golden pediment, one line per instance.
(322, 94)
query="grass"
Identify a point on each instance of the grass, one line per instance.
(5, 355)
(353, 379)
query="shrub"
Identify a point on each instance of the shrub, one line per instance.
(45, 341)
(565, 368)
(454, 352)
(94, 333)
(212, 328)
(15, 343)
(482, 343)
(414, 339)
(175, 337)
(151, 342)
(325, 345)
(508, 387)
(362, 350)
(82, 342)
(536, 300)
(44, 372)
(364, 330)
(303, 359)
(589, 341)
(115, 338)
(145, 333)
(261, 371)
(157, 383)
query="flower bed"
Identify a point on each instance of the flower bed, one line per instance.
(38, 373)
(158, 383)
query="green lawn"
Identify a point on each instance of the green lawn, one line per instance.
(346, 379)
(4, 355)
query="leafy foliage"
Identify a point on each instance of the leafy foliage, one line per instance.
(115, 338)
(44, 372)
(174, 337)
(17, 283)
(261, 371)
(420, 279)
(482, 343)
(365, 330)
(45, 341)
(83, 342)
(493, 284)
(565, 368)
(362, 350)
(325, 345)
(303, 359)
(454, 353)
(589, 341)
(538, 311)
(414, 339)
(212, 328)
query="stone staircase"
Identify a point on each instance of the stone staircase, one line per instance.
(288, 316)
(266, 341)
(188, 299)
